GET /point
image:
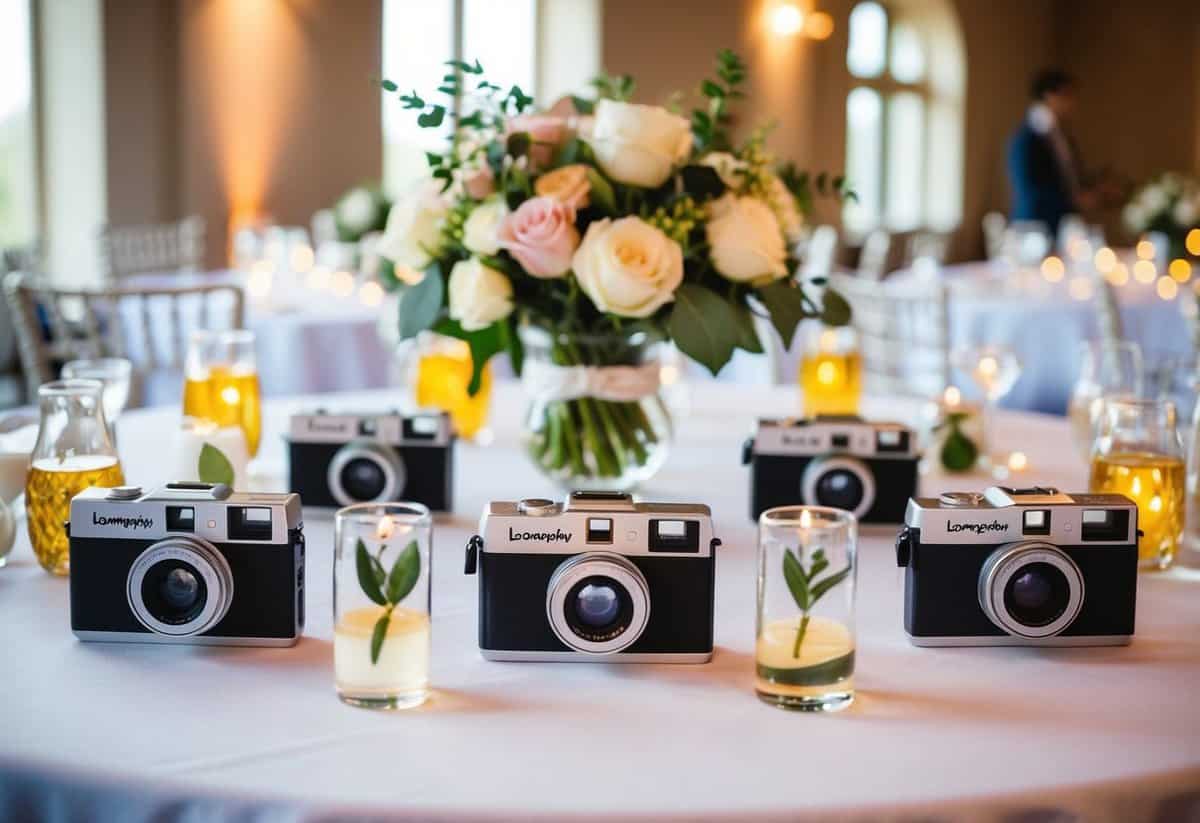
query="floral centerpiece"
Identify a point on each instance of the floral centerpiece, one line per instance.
(1169, 203)
(360, 211)
(584, 239)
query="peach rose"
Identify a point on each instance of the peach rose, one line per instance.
(568, 185)
(547, 132)
(541, 236)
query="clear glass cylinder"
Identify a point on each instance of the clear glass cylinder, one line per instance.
(434, 372)
(381, 596)
(1106, 368)
(1138, 453)
(600, 414)
(807, 569)
(831, 375)
(221, 382)
(73, 452)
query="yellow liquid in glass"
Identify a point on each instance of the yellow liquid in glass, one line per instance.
(48, 491)
(831, 383)
(226, 396)
(1156, 483)
(403, 665)
(825, 642)
(442, 381)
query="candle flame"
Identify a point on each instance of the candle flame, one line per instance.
(1017, 461)
(952, 396)
(805, 519)
(385, 528)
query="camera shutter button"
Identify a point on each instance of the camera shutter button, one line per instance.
(537, 506)
(124, 493)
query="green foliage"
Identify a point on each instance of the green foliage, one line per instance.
(484, 344)
(710, 124)
(704, 326)
(387, 590)
(835, 311)
(421, 303)
(701, 182)
(214, 466)
(787, 305)
(609, 87)
(805, 586)
(602, 195)
(959, 452)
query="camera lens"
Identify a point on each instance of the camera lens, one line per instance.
(839, 489)
(597, 604)
(174, 592)
(363, 479)
(1037, 594)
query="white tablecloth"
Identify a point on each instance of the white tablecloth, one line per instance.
(166, 733)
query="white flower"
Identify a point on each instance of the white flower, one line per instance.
(358, 211)
(787, 210)
(1154, 199)
(745, 240)
(727, 167)
(1134, 216)
(414, 227)
(628, 267)
(481, 231)
(638, 145)
(479, 295)
(1186, 212)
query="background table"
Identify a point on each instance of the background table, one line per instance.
(169, 733)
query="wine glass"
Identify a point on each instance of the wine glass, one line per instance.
(114, 373)
(1108, 368)
(994, 370)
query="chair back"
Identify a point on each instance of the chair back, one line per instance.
(904, 333)
(927, 247)
(150, 327)
(995, 227)
(873, 261)
(820, 253)
(164, 247)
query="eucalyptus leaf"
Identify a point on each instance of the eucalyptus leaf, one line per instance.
(818, 564)
(421, 303)
(704, 326)
(797, 580)
(785, 303)
(602, 195)
(518, 143)
(484, 344)
(432, 118)
(747, 332)
(405, 571)
(828, 583)
(835, 311)
(378, 634)
(959, 452)
(365, 565)
(214, 466)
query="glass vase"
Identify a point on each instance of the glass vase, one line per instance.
(830, 369)
(381, 595)
(1138, 453)
(807, 568)
(73, 452)
(600, 412)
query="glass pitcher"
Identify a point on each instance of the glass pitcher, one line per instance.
(1138, 453)
(73, 452)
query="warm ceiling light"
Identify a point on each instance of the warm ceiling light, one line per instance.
(787, 20)
(819, 25)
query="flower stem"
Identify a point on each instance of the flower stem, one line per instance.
(800, 635)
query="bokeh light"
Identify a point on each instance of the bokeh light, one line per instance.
(1145, 250)
(818, 25)
(1193, 242)
(1105, 260)
(1119, 276)
(1053, 269)
(786, 20)
(1080, 287)
(1144, 271)
(1166, 288)
(1180, 270)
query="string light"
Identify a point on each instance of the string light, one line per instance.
(1144, 271)
(1017, 461)
(1193, 242)
(787, 20)
(1053, 269)
(1145, 250)
(1180, 269)
(1105, 260)
(1119, 276)
(1166, 288)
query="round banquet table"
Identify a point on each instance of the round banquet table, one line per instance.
(140, 732)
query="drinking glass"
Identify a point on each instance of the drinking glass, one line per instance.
(1108, 368)
(804, 650)
(73, 452)
(994, 370)
(221, 382)
(381, 589)
(114, 373)
(1138, 453)
(830, 370)
(435, 372)
(1189, 554)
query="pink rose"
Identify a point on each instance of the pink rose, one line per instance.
(547, 132)
(479, 183)
(541, 236)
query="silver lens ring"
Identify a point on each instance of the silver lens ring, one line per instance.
(201, 556)
(612, 567)
(386, 458)
(822, 466)
(1009, 559)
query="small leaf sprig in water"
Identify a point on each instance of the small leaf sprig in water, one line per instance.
(806, 589)
(959, 452)
(386, 589)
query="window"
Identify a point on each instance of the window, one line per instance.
(419, 36)
(18, 177)
(903, 121)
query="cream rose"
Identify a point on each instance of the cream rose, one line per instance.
(638, 145)
(481, 231)
(568, 185)
(745, 239)
(628, 267)
(413, 234)
(479, 295)
(787, 210)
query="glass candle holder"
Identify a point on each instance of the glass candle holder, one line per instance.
(804, 650)
(1138, 453)
(381, 588)
(830, 370)
(221, 382)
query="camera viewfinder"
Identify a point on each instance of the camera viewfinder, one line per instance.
(1037, 521)
(891, 440)
(599, 530)
(841, 441)
(674, 536)
(1105, 524)
(367, 427)
(181, 519)
(249, 523)
(423, 427)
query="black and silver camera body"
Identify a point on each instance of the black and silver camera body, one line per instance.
(597, 578)
(1019, 567)
(187, 563)
(337, 460)
(867, 469)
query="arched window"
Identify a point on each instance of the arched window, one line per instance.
(904, 117)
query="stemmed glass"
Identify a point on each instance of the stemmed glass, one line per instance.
(114, 373)
(994, 370)
(1108, 368)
